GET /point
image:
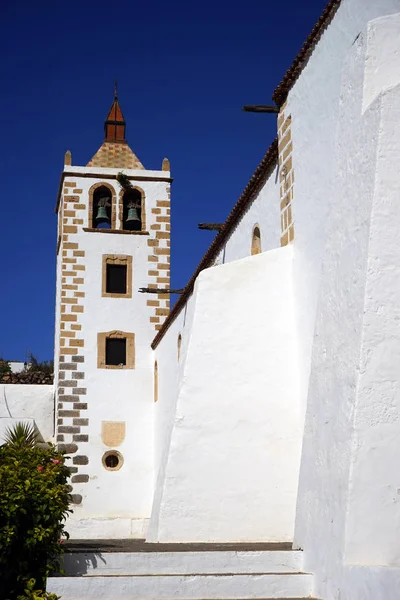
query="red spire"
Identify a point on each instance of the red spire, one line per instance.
(114, 127)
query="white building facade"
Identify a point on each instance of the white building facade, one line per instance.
(265, 407)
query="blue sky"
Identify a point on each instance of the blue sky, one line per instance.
(184, 71)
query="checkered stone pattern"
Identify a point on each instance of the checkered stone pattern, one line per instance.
(117, 155)
(71, 405)
(286, 175)
(159, 260)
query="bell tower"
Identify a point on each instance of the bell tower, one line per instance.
(113, 238)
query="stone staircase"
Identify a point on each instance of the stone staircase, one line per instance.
(136, 570)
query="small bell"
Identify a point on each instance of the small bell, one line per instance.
(133, 219)
(102, 218)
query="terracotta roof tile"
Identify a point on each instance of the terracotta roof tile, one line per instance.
(280, 94)
(115, 155)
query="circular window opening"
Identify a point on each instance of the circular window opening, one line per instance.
(113, 460)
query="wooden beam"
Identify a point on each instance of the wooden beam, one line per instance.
(211, 226)
(160, 291)
(260, 108)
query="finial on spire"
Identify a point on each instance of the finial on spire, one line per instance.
(115, 90)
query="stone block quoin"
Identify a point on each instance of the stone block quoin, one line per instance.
(72, 422)
(159, 245)
(286, 174)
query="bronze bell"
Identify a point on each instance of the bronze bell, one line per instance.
(102, 216)
(133, 215)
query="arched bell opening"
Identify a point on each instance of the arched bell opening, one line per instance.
(132, 210)
(102, 208)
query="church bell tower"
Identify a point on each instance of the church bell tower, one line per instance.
(113, 238)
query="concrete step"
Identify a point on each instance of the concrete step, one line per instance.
(183, 587)
(167, 562)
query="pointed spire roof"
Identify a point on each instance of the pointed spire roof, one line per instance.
(115, 152)
(115, 126)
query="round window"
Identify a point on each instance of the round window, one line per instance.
(112, 460)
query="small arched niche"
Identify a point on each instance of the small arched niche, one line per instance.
(256, 241)
(132, 207)
(102, 208)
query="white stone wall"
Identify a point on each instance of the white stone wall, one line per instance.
(234, 450)
(314, 103)
(346, 255)
(373, 509)
(16, 366)
(18, 402)
(171, 373)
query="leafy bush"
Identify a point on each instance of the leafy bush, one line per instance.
(31, 594)
(34, 503)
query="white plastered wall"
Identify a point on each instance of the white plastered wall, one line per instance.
(314, 103)
(374, 495)
(171, 372)
(19, 402)
(232, 464)
(348, 479)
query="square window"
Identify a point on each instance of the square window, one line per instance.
(116, 279)
(116, 351)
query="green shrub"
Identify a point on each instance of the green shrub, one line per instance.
(34, 503)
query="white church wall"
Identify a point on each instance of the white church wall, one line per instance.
(338, 402)
(314, 104)
(19, 402)
(374, 496)
(170, 378)
(166, 356)
(232, 467)
(264, 212)
(375, 583)
(170, 373)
